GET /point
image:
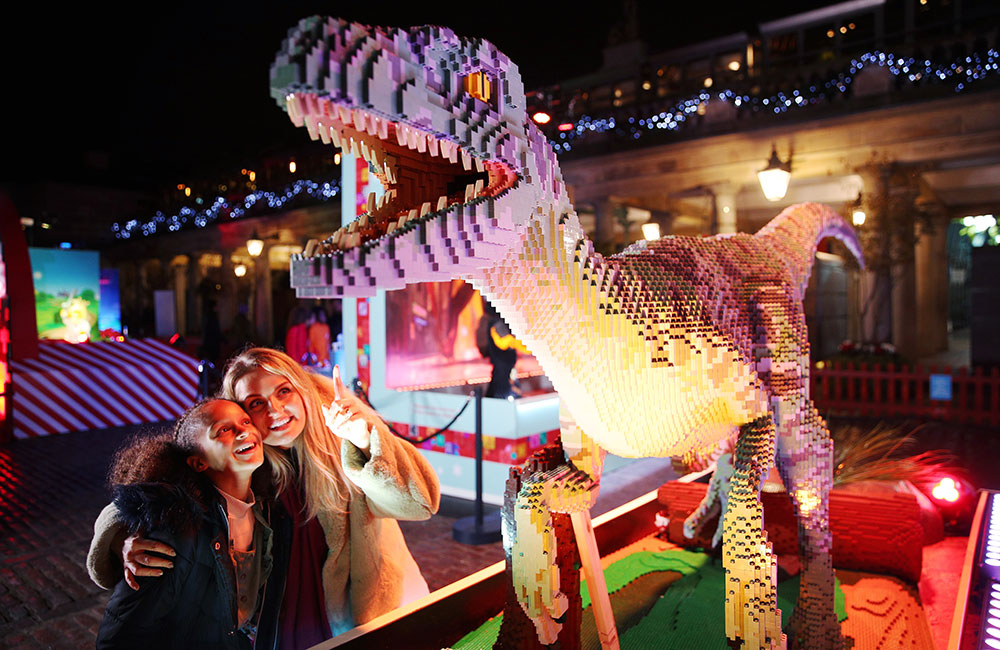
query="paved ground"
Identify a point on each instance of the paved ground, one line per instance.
(51, 490)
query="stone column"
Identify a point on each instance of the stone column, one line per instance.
(604, 223)
(227, 297)
(179, 273)
(262, 307)
(192, 318)
(725, 208)
(904, 309)
(932, 290)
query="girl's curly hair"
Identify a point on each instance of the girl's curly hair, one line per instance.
(161, 457)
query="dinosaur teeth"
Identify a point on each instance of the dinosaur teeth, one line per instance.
(425, 208)
(294, 106)
(478, 188)
(411, 215)
(401, 135)
(311, 129)
(311, 247)
(479, 165)
(324, 132)
(345, 114)
(466, 161)
(371, 204)
(335, 137)
(442, 202)
(432, 145)
(470, 192)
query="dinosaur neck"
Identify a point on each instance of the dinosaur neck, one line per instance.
(551, 289)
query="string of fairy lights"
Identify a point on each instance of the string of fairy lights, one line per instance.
(258, 201)
(963, 71)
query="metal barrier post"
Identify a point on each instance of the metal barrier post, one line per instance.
(478, 529)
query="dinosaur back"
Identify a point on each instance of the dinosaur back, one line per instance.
(794, 234)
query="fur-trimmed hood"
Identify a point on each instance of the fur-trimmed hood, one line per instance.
(156, 505)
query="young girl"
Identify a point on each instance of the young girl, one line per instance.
(191, 490)
(342, 477)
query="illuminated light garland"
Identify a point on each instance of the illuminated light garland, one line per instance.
(964, 71)
(220, 207)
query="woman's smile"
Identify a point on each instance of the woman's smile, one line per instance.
(275, 406)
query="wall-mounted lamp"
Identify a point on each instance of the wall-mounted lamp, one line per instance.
(774, 178)
(650, 231)
(240, 270)
(255, 245)
(858, 215)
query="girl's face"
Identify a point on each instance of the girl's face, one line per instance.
(274, 405)
(230, 445)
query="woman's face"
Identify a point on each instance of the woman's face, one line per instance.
(274, 405)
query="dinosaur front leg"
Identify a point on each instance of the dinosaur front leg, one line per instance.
(805, 462)
(752, 616)
(571, 488)
(715, 501)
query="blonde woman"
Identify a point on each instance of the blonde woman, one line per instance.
(343, 479)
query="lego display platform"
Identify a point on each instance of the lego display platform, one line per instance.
(656, 586)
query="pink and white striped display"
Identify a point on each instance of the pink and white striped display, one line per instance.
(75, 387)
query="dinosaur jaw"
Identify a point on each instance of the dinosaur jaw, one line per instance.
(436, 220)
(424, 176)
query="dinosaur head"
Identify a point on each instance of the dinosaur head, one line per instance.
(441, 119)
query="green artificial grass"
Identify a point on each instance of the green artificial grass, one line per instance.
(687, 616)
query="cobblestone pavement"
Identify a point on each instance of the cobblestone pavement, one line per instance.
(51, 490)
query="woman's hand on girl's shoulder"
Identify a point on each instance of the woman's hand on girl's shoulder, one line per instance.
(143, 558)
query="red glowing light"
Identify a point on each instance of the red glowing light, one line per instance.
(173, 339)
(946, 490)
(541, 117)
(565, 126)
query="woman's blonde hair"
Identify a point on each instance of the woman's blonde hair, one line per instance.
(325, 485)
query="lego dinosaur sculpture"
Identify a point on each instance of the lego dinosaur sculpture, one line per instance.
(658, 351)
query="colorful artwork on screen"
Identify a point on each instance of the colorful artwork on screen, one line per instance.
(431, 337)
(67, 293)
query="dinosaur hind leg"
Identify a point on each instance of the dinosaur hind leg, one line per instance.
(752, 617)
(805, 462)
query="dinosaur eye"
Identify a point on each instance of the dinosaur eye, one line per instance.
(477, 84)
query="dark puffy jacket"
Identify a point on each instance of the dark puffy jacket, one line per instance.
(193, 605)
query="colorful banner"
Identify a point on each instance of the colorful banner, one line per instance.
(110, 311)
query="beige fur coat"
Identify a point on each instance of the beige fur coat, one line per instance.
(369, 570)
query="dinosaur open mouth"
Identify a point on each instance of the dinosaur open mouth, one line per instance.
(423, 175)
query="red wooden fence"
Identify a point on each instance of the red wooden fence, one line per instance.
(856, 389)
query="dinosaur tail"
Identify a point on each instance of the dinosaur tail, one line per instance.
(795, 233)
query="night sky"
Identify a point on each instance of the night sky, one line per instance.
(134, 99)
